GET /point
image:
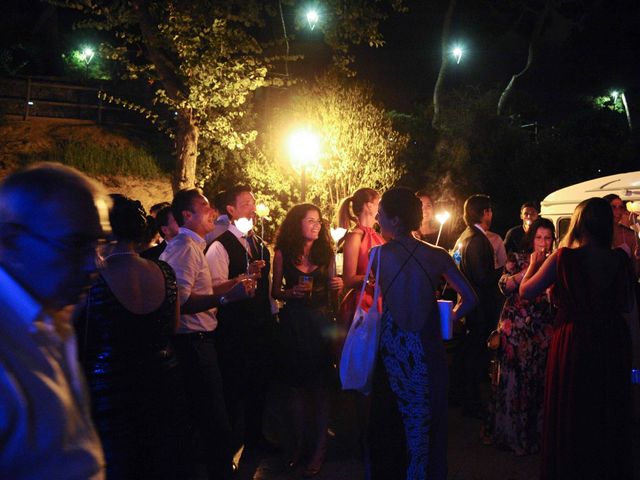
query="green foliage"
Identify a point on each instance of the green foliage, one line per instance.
(609, 102)
(204, 58)
(96, 159)
(359, 147)
(76, 66)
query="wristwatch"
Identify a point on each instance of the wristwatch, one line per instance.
(223, 300)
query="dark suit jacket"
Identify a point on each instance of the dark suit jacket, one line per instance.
(154, 253)
(477, 265)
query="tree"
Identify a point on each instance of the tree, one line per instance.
(444, 62)
(359, 146)
(204, 58)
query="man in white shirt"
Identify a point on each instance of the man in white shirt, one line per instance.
(245, 337)
(51, 218)
(194, 341)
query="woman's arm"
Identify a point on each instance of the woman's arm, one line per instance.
(510, 280)
(540, 274)
(467, 298)
(351, 250)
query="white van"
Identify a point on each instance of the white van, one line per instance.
(559, 205)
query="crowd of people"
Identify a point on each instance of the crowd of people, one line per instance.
(129, 356)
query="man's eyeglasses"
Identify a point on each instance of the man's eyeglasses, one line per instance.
(73, 246)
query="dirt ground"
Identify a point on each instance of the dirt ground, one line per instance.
(39, 135)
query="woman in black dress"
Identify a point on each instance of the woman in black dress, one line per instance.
(138, 404)
(304, 277)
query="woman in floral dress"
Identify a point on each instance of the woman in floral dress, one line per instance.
(525, 332)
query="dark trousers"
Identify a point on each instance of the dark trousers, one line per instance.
(203, 383)
(247, 365)
(469, 367)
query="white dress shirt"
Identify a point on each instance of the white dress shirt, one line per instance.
(218, 258)
(185, 254)
(45, 424)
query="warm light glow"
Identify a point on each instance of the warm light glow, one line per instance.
(443, 217)
(633, 207)
(304, 148)
(245, 225)
(312, 18)
(338, 233)
(262, 210)
(457, 53)
(87, 54)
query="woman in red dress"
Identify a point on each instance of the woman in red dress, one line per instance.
(587, 402)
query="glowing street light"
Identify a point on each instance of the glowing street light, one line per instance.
(312, 18)
(304, 150)
(457, 52)
(86, 55)
(615, 94)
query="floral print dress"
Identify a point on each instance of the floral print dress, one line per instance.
(525, 333)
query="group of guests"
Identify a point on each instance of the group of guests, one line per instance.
(179, 341)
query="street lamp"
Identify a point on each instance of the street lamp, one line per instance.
(304, 149)
(312, 18)
(457, 53)
(86, 55)
(615, 94)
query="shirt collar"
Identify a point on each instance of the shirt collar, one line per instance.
(233, 229)
(193, 236)
(479, 227)
(23, 307)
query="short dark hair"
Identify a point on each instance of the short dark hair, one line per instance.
(474, 208)
(220, 202)
(183, 200)
(530, 204)
(128, 218)
(233, 193)
(402, 203)
(162, 218)
(424, 193)
(611, 197)
(156, 207)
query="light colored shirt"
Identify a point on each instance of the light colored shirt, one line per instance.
(185, 254)
(499, 251)
(45, 424)
(220, 226)
(218, 257)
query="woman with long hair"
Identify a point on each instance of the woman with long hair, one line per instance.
(525, 328)
(587, 398)
(138, 402)
(304, 278)
(410, 383)
(357, 213)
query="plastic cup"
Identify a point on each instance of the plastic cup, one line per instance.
(446, 325)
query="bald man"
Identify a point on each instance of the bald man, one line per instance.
(51, 219)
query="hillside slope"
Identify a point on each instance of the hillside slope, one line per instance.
(37, 137)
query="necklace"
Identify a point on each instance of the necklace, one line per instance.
(118, 253)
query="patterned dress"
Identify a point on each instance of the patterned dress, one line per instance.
(525, 333)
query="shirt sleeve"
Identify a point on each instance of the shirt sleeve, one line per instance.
(185, 265)
(218, 261)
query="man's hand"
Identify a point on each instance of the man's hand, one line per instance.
(255, 268)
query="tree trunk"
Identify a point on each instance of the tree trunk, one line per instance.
(186, 151)
(446, 27)
(535, 37)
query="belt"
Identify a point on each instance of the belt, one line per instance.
(195, 335)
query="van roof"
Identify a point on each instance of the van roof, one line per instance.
(564, 201)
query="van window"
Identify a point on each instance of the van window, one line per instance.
(562, 227)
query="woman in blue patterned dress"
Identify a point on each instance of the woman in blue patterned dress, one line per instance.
(412, 367)
(525, 329)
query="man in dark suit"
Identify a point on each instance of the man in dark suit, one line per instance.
(477, 264)
(246, 330)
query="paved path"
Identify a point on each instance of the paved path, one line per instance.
(468, 458)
